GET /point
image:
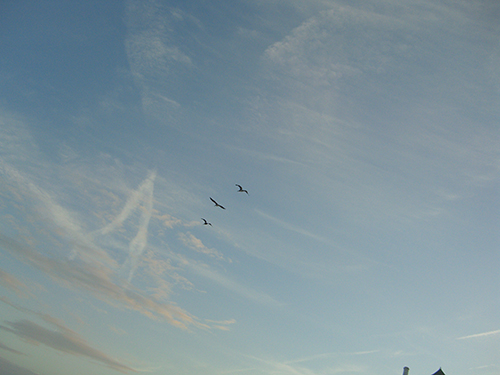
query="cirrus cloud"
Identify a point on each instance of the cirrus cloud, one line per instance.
(64, 340)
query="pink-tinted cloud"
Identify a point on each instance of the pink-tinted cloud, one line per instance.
(97, 279)
(10, 281)
(195, 244)
(63, 339)
(223, 325)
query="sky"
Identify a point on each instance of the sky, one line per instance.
(366, 134)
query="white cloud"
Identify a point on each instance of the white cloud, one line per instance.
(62, 218)
(335, 45)
(154, 58)
(478, 335)
(93, 266)
(353, 104)
(143, 194)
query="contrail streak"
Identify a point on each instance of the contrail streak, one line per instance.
(143, 194)
(479, 335)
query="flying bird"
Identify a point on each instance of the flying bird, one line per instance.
(206, 222)
(241, 189)
(216, 204)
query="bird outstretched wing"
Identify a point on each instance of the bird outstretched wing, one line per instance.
(217, 204)
(241, 189)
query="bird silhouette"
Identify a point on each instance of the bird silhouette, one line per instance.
(241, 189)
(216, 204)
(206, 222)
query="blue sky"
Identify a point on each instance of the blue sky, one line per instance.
(366, 134)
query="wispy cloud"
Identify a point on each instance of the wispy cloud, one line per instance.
(90, 264)
(292, 367)
(118, 331)
(64, 220)
(223, 325)
(143, 194)
(11, 368)
(331, 355)
(62, 339)
(206, 271)
(153, 56)
(8, 349)
(394, 171)
(351, 253)
(98, 280)
(319, 64)
(478, 335)
(158, 269)
(268, 156)
(234, 286)
(279, 367)
(168, 220)
(10, 281)
(195, 244)
(292, 228)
